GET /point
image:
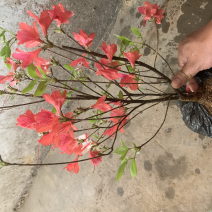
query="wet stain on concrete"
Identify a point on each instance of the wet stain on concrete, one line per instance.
(164, 25)
(202, 137)
(204, 147)
(169, 130)
(126, 32)
(120, 191)
(169, 167)
(147, 51)
(132, 10)
(121, 20)
(170, 193)
(138, 15)
(193, 18)
(147, 165)
(197, 171)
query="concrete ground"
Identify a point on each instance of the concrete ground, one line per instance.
(174, 169)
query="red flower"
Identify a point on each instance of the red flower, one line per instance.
(56, 99)
(129, 79)
(60, 14)
(95, 161)
(12, 63)
(109, 50)
(52, 137)
(44, 21)
(28, 35)
(43, 64)
(27, 58)
(73, 167)
(132, 56)
(101, 105)
(117, 116)
(9, 78)
(27, 120)
(109, 73)
(80, 61)
(45, 120)
(83, 38)
(111, 131)
(151, 11)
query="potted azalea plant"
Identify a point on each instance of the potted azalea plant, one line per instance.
(120, 88)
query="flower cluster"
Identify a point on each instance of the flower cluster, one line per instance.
(117, 116)
(58, 129)
(151, 11)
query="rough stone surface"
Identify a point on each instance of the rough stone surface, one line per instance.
(174, 169)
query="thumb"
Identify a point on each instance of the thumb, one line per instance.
(183, 76)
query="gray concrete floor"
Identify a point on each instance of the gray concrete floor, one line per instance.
(174, 170)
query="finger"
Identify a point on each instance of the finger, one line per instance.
(183, 76)
(181, 62)
(193, 85)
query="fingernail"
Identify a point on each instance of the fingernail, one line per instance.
(192, 90)
(176, 83)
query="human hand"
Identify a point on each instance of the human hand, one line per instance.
(194, 55)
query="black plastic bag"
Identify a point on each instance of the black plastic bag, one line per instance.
(195, 116)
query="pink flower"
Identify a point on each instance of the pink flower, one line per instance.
(80, 61)
(101, 105)
(129, 79)
(111, 131)
(45, 120)
(60, 14)
(12, 63)
(83, 38)
(44, 21)
(27, 120)
(151, 11)
(27, 58)
(109, 73)
(73, 167)
(43, 64)
(56, 99)
(28, 35)
(117, 116)
(9, 78)
(109, 50)
(95, 161)
(52, 137)
(132, 56)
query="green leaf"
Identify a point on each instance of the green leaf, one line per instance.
(131, 44)
(92, 121)
(133, 168)
(121, 47)
(12, 97)
(123, 144)
(3, 51)
(95, 136)
(32, 71)
(135, 31)
(123, 155)
(2, 33)
(3, 39)
(120, 95)
(41, 88)
(121, 170)
(120, 150)
(124, 40)
(42, 72)
(130, 68)
(29, 87)
(54, 110)
(68, 67)
(134, 144)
